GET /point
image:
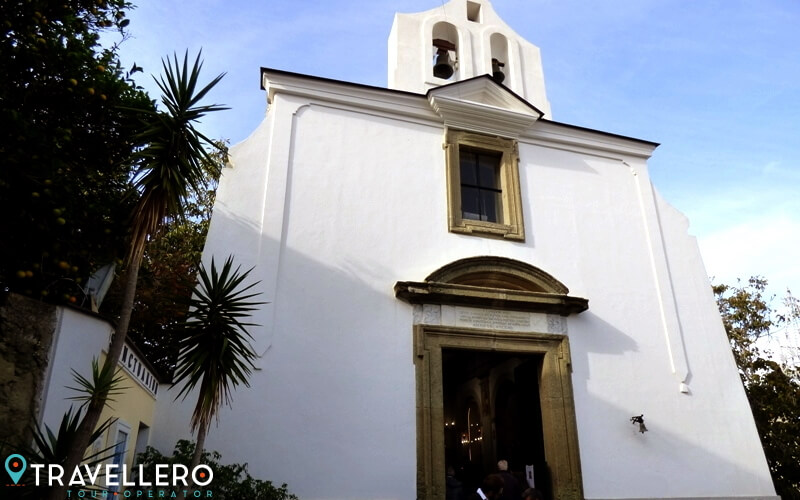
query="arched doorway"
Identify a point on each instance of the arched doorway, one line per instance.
(478, 432)
(491, 315)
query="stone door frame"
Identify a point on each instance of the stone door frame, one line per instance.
(555, 385)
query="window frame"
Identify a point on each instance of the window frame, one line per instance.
(482, 158)
(512, 226)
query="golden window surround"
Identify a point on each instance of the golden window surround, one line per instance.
(511, 225)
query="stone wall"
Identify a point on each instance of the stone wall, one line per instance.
(26, 335)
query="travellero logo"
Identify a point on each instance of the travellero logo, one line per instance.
(15, 466)
(169, 478)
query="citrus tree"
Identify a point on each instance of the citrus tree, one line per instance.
(65, 144)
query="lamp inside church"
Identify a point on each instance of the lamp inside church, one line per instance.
(497, 72)
(443, 66)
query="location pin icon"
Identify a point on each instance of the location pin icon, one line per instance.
(15, 466)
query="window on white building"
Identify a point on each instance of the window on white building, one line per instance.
(483, 185)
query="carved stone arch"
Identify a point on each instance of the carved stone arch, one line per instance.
(498, 272)
(498, 45)
(445, 37)
(494, 282)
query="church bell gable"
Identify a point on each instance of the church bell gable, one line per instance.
(460, 40)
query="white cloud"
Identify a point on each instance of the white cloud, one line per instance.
(766, 244)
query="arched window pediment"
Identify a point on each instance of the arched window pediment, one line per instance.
(493, 282)
(497, 272)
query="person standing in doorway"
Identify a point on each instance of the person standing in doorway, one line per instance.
(511, 489)
(453, 487)
(532, 494)
(491, 489)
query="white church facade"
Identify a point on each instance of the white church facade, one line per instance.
(455, 278)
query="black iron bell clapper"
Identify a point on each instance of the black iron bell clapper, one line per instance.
(444, 65)
(497, 73)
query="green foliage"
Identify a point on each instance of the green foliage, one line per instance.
(231, 482)
(167, 276)
(51, 448)
(215, 352)
(746, 316)
(773, 390)
(166, 167)
(105, 381)
(171, 164)
(64, 145)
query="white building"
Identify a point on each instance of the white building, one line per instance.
(79, 338)
(454, 278)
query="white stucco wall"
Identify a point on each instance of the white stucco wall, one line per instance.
(334, 203)
(78, 339)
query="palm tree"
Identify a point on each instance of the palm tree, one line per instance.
(167, 168)
(215, 351)
(52, 448)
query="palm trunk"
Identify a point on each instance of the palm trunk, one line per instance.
(198, 454)
(95, 408)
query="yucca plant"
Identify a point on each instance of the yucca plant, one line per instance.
(105, 382)
(215, 351)
(168, 166)
(52, 447)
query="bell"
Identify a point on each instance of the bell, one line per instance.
(497, 73)
(444, 66)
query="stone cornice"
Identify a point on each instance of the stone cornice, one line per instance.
(365, 97)
(583, 140)
(480, 105)
(499, 298)
(408, 105)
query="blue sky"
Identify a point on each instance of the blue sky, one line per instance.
(717, 83)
